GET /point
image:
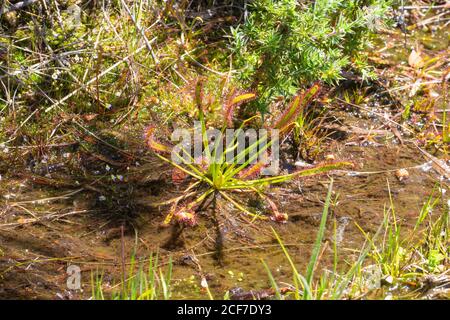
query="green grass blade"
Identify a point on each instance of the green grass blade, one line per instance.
(319, 238)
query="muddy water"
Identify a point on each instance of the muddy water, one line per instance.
(80, 229)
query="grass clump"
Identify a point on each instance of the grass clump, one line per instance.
(148, 282)
(423, 251)
(390, 263)
(284, 44)
(331, 285)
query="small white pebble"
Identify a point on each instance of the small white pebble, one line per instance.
(402, 174)
(204, 283)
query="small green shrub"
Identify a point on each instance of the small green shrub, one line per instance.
(285, 43)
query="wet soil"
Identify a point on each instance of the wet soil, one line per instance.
(44, 230)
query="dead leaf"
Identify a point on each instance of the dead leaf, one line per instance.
(415, 59)
(90, 116)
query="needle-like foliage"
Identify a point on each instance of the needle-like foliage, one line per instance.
(285, 43)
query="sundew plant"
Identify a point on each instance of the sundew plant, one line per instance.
(217, 175)
(286, 43)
